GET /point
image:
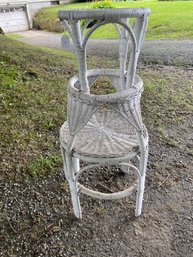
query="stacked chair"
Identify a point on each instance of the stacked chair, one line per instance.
(105, 130)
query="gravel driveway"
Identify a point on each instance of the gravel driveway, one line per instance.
(169, 52)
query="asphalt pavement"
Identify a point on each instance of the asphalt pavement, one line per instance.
(169, 52)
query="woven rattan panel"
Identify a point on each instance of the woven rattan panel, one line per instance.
(106, 134)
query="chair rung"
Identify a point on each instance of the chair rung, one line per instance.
(107, 196)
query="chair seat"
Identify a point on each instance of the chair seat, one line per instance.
(107, 134)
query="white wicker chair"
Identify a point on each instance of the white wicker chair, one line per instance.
(105, 129)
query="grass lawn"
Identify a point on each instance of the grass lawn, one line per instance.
(33, 101)
(168, 19)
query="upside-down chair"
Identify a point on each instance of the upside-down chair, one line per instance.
(105, 130)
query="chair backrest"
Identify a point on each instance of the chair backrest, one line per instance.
(120, 18)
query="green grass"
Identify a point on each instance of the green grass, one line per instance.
(14, 36)
(33, 99)
(33, 105)
(44, 165)
(168, 19)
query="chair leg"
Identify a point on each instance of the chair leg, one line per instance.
(75, 199)
(74, 189)
(71, 167)
(64, 163)
(141, 183)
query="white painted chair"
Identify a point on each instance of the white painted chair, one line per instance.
(107, 129)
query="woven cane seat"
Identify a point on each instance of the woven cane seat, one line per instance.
(106, 134)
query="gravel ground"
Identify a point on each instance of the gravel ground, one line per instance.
(37, 217)
(168, 52)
